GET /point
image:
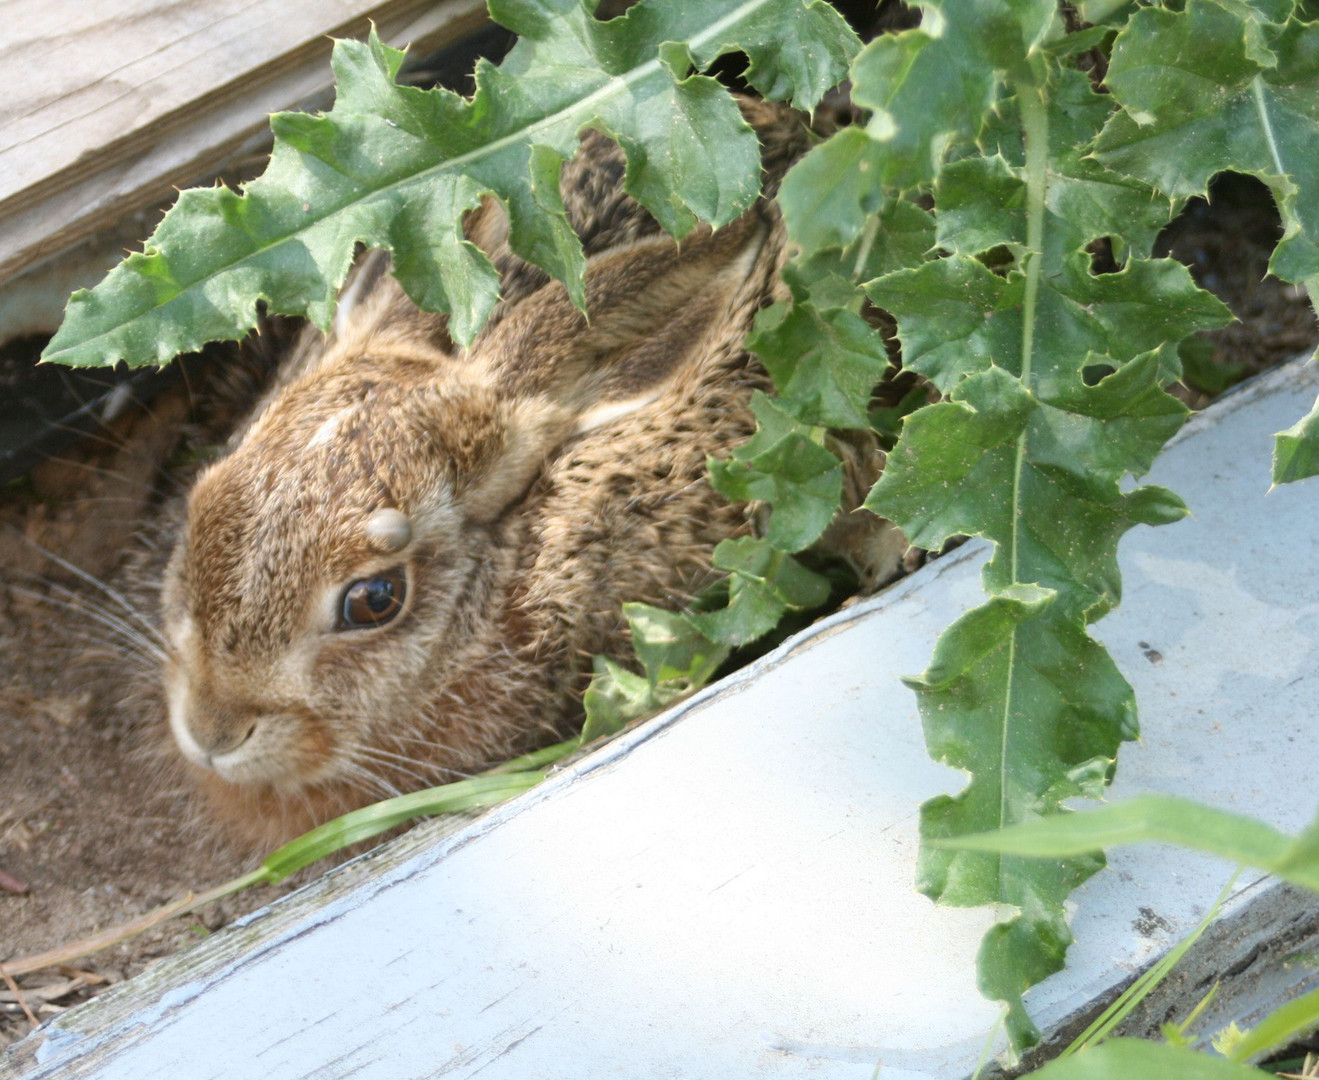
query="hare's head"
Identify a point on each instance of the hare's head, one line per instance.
(339, 568)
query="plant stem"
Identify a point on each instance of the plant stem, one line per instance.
(864, 247)
(1035, 129)
(537, 758)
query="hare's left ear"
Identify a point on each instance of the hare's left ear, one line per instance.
(354, 307)
(374, 313)
(656, 309)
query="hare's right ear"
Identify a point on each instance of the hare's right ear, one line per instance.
(654, 308)
(657, 309)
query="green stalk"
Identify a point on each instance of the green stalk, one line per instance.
(1146, 983)
(1035, 129)
(537, 759)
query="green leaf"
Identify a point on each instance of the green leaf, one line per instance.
(1284, 1025)
(982, 199)
(1028, 450)
(899, 235)
(1218, 87)
(928, 90)
(825, 363)
(1202, 371)
(670, 648)
(784, 466)
(616, 697)
(1163, 819)
(1126, 1059)
(1148, 304)
(797, 51)
(982, 204)
(763, 584)
(959, 464)
(677, 659)
(1296, 450)
(954, 315)
(370, 821)
(904, 236)
(1018, 693)
(396, 168)
(1059, 714)
(1104, 11)
(829, 194)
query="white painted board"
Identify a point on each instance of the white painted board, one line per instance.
(727, 891)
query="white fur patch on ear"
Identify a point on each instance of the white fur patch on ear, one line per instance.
(611, 411)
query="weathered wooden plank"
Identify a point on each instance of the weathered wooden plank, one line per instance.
(727, 890)
(110, 105)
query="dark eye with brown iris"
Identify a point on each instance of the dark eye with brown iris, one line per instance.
(373, 601)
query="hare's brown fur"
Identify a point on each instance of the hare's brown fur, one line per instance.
(551, 472)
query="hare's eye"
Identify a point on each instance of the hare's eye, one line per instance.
(373, 601)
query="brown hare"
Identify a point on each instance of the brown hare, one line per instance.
(399, 573)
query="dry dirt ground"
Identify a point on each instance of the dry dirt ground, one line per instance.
(92, 830)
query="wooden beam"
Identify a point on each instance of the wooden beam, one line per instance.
(109, 106)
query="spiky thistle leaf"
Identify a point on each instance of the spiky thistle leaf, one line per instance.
(396, 167)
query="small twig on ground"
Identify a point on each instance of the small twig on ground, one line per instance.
(18, 996)
(334, 835)
(43, 994)
(25, 964)
(1309, 1070)
(11, 884)
(91, 978)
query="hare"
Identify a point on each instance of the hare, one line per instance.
(400, 571)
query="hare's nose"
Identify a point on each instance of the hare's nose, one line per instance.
(216, 730)
(231, 739)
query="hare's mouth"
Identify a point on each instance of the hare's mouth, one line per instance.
(284, 751)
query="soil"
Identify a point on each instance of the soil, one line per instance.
(92, 833)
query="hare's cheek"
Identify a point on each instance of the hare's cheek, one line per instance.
(291, 751)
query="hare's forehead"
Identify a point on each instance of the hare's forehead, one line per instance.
(256, 575)
(310, 515)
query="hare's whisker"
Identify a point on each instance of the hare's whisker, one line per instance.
(113, 474)
(396, 763)
(78, 602)
(368, 781)
(107, 619)
(95, 582)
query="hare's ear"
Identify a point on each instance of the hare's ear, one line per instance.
(516, 443)
(654, 309)
(374, 313)
(355, 296)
